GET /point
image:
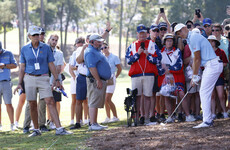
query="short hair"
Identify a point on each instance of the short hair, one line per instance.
(87, 37)
(217, 25)
(54, 35)
(105, 44)
(80, 40)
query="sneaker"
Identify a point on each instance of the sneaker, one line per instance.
(35, 133)
(95, 127)
(13, 127)
(180, 117)
(81, 122)
(0, 127)
(106, 120)
(213, 116)
(190, 118)
(16, 124)
(62, 131)
(219, 115)
(76, 126)
(142, 120)
(198, 117)
(225, 114)
(44, 128)
(169, 120)
(72, 122)
(105, 127)
(86, 121)
(204, 125)
(114, 119)
(52, 126)
(153, 119)
(26, 130)
(47, 122)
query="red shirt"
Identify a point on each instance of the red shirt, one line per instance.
(219, 52)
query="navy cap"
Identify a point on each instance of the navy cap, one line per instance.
(207, 21)
(196, 24)
(141, 28)
(42, 30)
(162, 25)
(188, 21)
(154, 26)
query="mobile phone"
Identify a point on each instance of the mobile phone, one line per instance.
(197, 12)
(189, 26)
(162, 10)
(142, 45)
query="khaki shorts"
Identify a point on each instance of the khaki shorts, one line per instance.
(6, 91)
(144, 84)
(96, 97)
(37, 84)
(194, 89)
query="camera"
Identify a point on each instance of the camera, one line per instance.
(142, 45)
(162, 10)
(197, 12)
(189, 26)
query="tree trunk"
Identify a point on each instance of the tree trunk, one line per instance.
(108, 18)
(27, 17)
(4, 27)
(42, 14)
(77, 22)
(61, 23)
(20, 22)
(120, 32)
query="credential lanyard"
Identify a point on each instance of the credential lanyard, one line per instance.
(36, 55)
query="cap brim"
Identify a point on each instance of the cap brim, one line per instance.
(154, 28)
(206, 24)
(100, 40)
(142, 31)
(34, 33)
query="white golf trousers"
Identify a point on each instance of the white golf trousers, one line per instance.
(211, 73)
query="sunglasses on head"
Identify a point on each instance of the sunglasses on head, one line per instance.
(227, 28)
(163, 29)
(104, 47)
(217, 30)
(205, 26)
(156, 30)
(35, 35)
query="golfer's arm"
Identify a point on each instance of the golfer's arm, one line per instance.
(94, 73)
(21, 73)
(196, 62)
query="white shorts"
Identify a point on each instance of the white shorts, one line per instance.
(111, 88)
(73, 84)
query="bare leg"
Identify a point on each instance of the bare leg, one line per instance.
(53, 111)
(34, 113)
(107, 107)
(197, 99)
(58, 105)
(142, 107)
(158, 104)
(48, 113)
(162, 105)
(168, 104)
(152, 105)
(10, 111)
(138, 100)
(93, 115)
(73, 106)
(21, 102)
(79, 110)
(147, 104)
(220, 93)
(185, 104)
(111, 104)
(86, 109)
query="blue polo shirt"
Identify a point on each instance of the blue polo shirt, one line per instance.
(94, 58)
(6, 57)
(197, 42)
(45, 56)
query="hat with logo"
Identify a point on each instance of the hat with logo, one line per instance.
(96, 37)
(33, 30)
(213, 37)
(162, 25)
(207, 21)
(141, 28)
(178, 27)
(154, 26)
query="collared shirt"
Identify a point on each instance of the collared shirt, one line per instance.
(94, 58)
(45, 56)
(224, 45)
(73, 62)
(6, 57)
(59, 61)
(113, 62)
(198, 42)
(82, 69)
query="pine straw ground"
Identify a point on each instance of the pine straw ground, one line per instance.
(170, 136)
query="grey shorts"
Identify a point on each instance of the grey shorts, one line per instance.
(39, 84)
(96, 97)
(6, 92)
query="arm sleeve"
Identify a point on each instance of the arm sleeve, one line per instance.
(12, 59)
(178, 65)
(117, 60)
(152, 58)
(130, 58)
(60, 59)
(22, 57)
(195, 43)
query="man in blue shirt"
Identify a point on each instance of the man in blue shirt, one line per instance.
(98, 72)
(7, 62)
(205, 56)
(36, 59)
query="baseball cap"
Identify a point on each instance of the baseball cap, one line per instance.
(207, 21)
(226, 21)
(178, 27)
(162, 24)
(42, 30)
(213, 37)
(96, 37)
(141, 28)
(154, 26)
(188, 21)
(33, 30)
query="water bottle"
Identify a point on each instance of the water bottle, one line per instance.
(60, 91)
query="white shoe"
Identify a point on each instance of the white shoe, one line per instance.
(203, 125)
(81, 122)
(114, 119)
(16, 124)
(0, 127)
(213, 116)
(225, 114)
(72, 122)
(52, 126)
(85, 122)
(105, 127)
(95, 127)
(106, 120)
(13, 127)
(190, 118)
(169, 120)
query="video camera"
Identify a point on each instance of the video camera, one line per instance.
(130, 106)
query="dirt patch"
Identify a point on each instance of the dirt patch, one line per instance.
(170, 136)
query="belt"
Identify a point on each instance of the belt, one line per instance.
(4, 80)
(91, 77)
(37, 75)
(82, 74)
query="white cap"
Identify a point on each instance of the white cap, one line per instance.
(178, 27)
(33, 30)
(212, 37)
(196, 30)
(96, 37)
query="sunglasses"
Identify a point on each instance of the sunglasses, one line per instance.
(155, 30)
(227, 28)
(215, 30)
(35, 35)
(163, 29)
(104, 47)
(206, 26)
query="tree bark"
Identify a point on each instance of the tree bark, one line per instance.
(4, 27)
(108, 17)
(61, 23)
(20, 23)
(42, 13)
(120, 32)
(27, 17)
